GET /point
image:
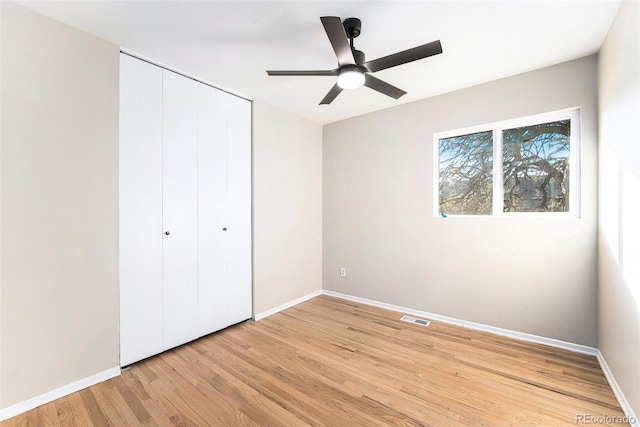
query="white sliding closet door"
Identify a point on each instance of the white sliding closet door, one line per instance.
(239, 302)
(141, 295)
(185, 210)
(180, 208)
(212, 210)
(224, 199)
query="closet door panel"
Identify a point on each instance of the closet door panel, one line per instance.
(180, 209)
(212, 210)
(140, 170)
(239, 252)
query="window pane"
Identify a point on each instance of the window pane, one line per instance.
(535, 167)
(466, 174)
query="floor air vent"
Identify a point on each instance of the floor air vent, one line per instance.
(414, 320)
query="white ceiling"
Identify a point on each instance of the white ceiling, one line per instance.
(231, 43)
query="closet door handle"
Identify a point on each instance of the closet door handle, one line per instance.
(167, 232)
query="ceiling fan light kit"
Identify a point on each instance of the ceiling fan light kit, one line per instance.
(353, 70)
(351, 77)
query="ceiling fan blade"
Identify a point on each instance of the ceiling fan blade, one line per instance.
(335, 91)
(338, 38)
(302, 72)
(409, 55)
(382, 87)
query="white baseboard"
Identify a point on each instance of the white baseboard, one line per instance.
(624, 403)
(34, 402)
(287, 305)
(577, 348)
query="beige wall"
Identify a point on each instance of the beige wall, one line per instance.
(287, 205)
(619, 224)
(59, 205)
(533, 275)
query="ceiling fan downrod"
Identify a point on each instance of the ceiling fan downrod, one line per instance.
(353, 28)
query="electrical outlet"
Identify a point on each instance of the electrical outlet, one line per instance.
(343, 272)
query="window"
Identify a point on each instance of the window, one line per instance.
(466, 174)
(526, 165)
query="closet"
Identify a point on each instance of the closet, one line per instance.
(185, 209)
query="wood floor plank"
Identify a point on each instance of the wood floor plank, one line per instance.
(329, 362)
(79, 412)
(98, 418)
(65, 413)
(20, 420)
(113, 403)
(132, 401)
(48, 415)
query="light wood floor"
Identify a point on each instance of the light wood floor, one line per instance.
(338, 363)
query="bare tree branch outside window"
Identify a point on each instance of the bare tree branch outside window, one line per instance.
(466, 174)
(535, 167)
(535, 170)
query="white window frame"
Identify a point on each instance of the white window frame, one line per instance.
(572, 114)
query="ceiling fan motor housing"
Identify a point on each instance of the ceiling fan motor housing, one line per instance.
(352, 27)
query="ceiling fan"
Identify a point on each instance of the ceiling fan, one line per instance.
(353, 70)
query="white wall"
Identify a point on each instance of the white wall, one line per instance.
(59, 205)
(619, 220)
(533, 275)
(287, 205)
